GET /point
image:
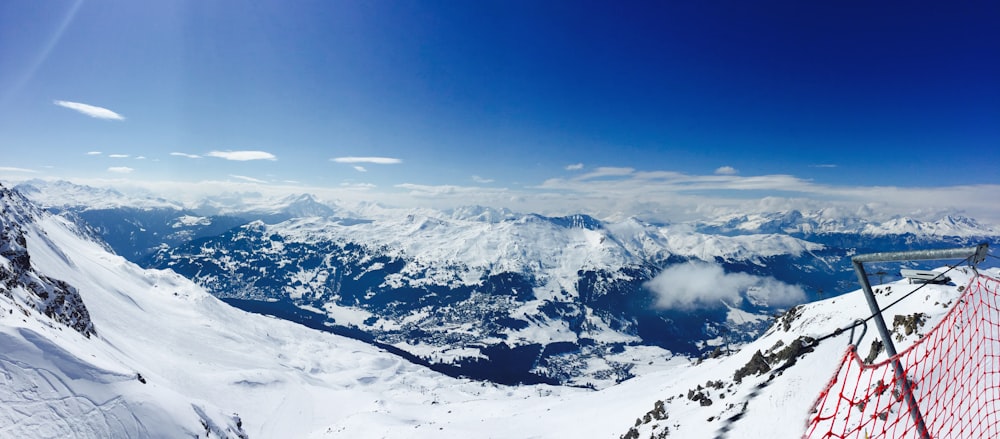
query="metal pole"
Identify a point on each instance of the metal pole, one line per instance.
(977, 253)
(890, 349)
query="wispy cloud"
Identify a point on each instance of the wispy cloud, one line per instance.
(360, 168)
(606, 171)
(93, 153)
(121, 169)
(141, 157)
(726, 170)
(358, 186)
(372, 160)
(824, 165)
(245, 178)
(423, 190)
(184, 154)
(91, 110)
(12, 169)
(242, 156)
(118, 156)
(481, 180)
(574, 167)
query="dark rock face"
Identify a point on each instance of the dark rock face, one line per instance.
(18, 280)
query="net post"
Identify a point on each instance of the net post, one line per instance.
(890, 349)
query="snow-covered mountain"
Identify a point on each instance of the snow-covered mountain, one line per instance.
(512, 298)
(490, 293)
(159, 357)
(64, 195)
(833, 221)
(154, 355)
(269, 210)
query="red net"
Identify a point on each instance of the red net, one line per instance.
(954, 372)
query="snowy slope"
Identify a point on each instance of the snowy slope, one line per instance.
(206, 367)
(194, 354)
(781, 409)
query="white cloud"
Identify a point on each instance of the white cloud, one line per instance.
(245, 178)
(726, 170)
(93, 153)
(698, 284)
(824, 165)
(141, 157)
(90, 110)
(121, 169)
(372, 160)
(118, 156)
(184, 154)
(12, 169)
(360, 168)
(606, 171)
(446, 190)
(358, 186)
(574, 167)
(242, 155)
(481, 180)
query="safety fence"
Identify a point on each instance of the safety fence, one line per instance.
(954, 373)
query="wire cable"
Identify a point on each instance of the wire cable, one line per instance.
(860, 322)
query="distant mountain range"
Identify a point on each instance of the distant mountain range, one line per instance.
(96, 346)
(490, 293)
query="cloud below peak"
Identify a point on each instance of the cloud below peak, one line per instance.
(121, 169)
(241, 156)
(372, 160)
(90, 110)
(696, 284)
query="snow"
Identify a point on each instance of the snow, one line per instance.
(456, 251)
(205, 363)
(191, 220)
(344, 315)
(63, 194)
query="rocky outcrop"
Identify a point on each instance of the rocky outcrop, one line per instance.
(19, 281)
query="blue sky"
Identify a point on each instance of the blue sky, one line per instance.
(499, 102)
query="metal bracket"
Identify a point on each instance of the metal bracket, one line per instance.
(859, 322)
(980, 255)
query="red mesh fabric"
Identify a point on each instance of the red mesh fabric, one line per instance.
(955, 376)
